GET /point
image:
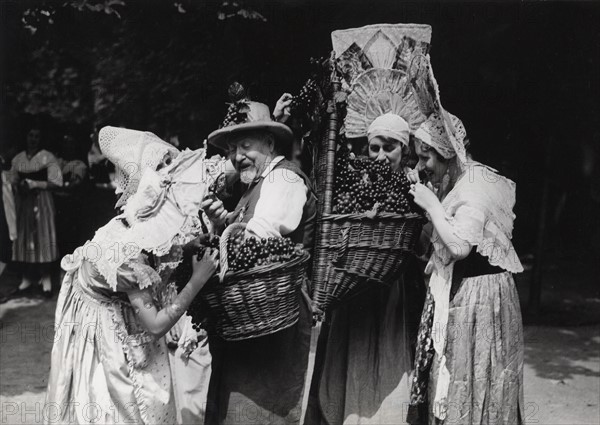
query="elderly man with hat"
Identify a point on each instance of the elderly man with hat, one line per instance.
(262, 380)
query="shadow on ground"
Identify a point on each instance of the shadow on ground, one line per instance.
(560, 354)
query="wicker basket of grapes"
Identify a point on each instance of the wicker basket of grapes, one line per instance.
(373, 226)
(257, 290)
(367, 224)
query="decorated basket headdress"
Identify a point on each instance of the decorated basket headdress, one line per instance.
(378, 64)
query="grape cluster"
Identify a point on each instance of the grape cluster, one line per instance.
(305, 100)
(237, 113)
(361, 183)
(252, 252)
(183, 272)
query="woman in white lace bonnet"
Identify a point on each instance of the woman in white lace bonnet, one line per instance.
(469, 365)
(109, 361)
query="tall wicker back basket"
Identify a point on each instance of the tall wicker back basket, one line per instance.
(372, 65)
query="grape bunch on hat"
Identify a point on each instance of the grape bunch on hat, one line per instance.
(245, 115)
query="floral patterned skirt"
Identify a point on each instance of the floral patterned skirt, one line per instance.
(484, 353)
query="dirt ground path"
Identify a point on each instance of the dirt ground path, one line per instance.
(562, 367)
(26, 337)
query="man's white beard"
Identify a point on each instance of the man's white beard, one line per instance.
(248, 175)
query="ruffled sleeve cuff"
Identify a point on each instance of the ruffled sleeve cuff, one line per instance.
(135, 275)
(145, 275)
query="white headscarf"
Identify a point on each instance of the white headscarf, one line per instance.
(389, 125)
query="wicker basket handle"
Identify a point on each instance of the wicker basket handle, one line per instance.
(231, 229)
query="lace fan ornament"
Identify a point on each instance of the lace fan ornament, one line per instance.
(377, 92)
(375, 61)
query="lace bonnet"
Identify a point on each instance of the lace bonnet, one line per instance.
(445, 133)
(160, 215)
(132, 152)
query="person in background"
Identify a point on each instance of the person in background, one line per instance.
(69, 199)
(99, 199)
(101, 170)
(36, 173)
(8, 216)
(74, 169)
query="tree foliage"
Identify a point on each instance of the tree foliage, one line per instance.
(143, 64)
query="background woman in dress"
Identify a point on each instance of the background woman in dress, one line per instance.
(470, 364)
(36, 172)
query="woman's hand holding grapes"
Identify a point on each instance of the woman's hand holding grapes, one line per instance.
(426, 198)
(204, 267)
(413, 176)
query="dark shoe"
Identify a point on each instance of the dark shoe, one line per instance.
(47, 294)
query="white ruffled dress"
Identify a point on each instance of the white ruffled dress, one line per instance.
(477, 372)
(105, 367)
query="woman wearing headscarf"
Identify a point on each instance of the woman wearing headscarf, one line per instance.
(388, 137)
(110, 361)
(365, 353)
(469, 361)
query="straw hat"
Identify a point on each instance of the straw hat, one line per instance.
(244, 115)
(257, 117)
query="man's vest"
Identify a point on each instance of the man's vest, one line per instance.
(304, 233)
